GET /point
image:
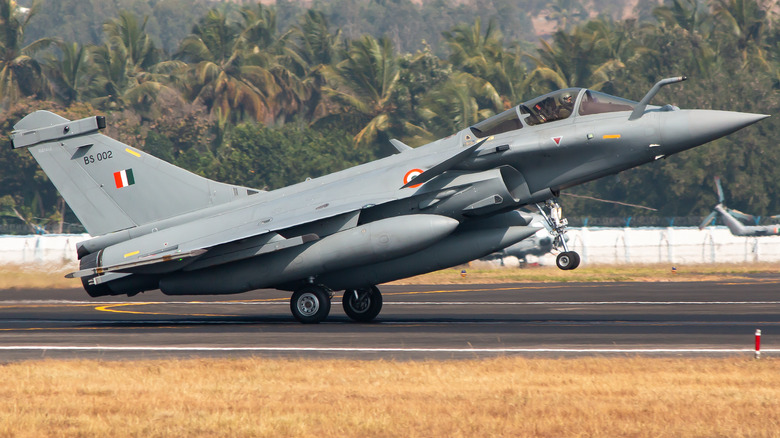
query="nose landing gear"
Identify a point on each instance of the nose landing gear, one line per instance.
(566, 260)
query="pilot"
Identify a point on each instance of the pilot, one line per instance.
(566, 105)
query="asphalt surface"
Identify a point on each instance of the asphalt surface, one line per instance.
(417, 322)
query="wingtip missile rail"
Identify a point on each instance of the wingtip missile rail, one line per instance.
(30, 137)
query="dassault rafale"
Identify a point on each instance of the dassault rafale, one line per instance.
(157, 226)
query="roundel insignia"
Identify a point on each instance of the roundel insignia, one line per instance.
(410, 175)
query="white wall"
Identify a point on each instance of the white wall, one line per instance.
(683, 245)
(42, 250)
(595, 245)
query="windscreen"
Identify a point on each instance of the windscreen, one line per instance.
(504, 122)
(594, 102)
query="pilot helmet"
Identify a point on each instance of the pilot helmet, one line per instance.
(566, 98)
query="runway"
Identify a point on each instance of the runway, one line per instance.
(417, 322)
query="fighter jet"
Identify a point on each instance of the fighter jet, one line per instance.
(732, 218)
(157, 226)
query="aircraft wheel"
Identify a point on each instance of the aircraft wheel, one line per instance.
(567, 260)
(576, 262)
(310, 304)
(365, 306)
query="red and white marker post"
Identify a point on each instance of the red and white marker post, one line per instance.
(758, 344)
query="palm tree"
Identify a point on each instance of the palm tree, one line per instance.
(577, 59)
(267, 51)
(124, 72)
(221, 73)
(364, 83)
(311, 49)
(566, 13)
(127, 32)
(484, 57)
(20, 73)
(460, 102)
(686, 14)
(681, 43)
(474, 53)
(746, 21)
(66, 73)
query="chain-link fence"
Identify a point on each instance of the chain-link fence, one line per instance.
(19, 228)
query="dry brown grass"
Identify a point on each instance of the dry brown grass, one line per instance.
(21, 277)
(638, 397)
(478, 273)
(18, 277)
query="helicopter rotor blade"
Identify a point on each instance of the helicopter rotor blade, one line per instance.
(741, 216)
(720, 190)
(707, 220)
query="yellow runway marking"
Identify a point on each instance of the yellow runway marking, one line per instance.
(35, 306)
(24, 329)
(109, 308)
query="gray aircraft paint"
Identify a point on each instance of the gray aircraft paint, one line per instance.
(159, 226)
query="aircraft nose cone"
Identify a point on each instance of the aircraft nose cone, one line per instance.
(710, 125)
(684, 129)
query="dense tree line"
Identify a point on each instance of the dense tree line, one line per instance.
(245, 99)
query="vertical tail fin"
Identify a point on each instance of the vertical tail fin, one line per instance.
(109, 185)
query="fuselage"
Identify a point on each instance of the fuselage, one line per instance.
(361, 226)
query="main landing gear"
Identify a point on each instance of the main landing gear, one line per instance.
(566, 260)
(311, 303)
(362, 305)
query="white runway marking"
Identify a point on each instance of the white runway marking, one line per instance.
(242, 320)
(384, 350)
(577, 303)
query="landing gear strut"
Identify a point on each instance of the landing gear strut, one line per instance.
(362, 305)
(311, 304)
(566, 260)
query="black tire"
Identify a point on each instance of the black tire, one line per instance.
(576, 262)
(365, 307)
(310, 304)
(566, 260)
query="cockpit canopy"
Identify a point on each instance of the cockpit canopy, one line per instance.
(551, 107)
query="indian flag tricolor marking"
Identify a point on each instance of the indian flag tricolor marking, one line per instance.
(124, 178)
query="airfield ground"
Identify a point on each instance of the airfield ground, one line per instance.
(517, 397)
(18, 277)
(733, 396)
